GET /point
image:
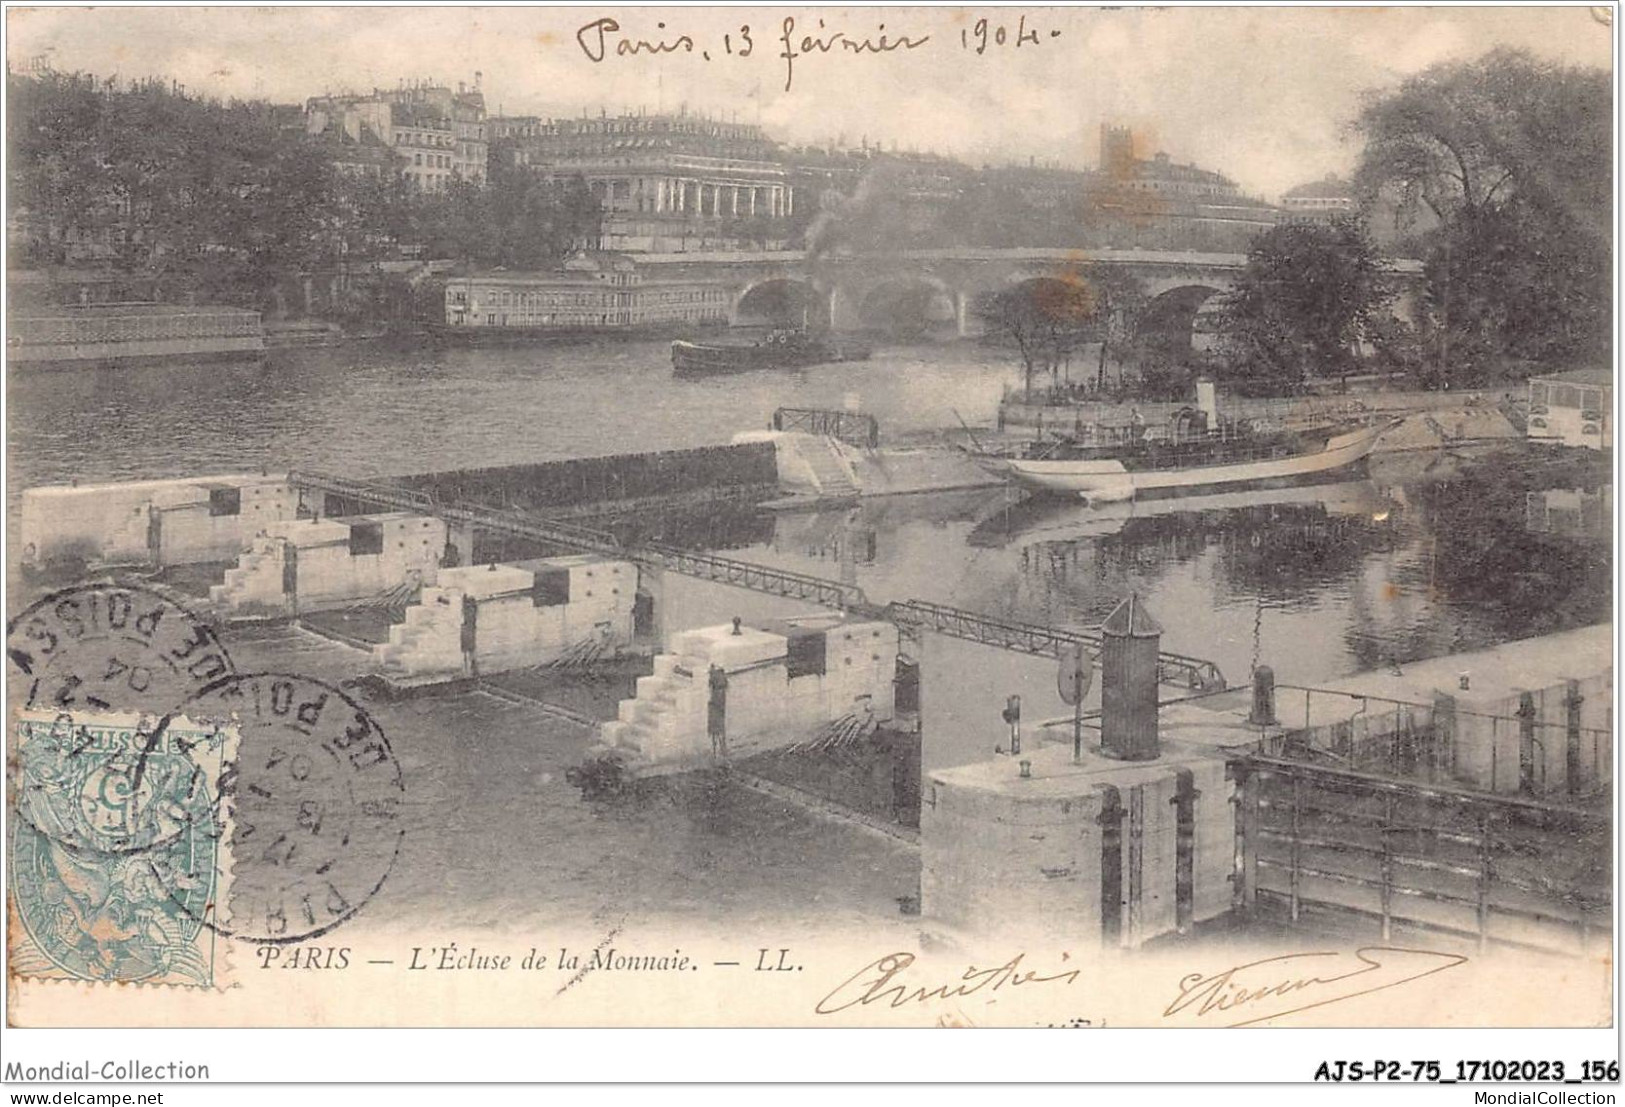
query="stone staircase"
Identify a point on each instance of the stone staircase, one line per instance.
(830, 470)
(667, 715)
(428, 645)
(255, 582)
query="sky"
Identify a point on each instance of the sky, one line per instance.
(1265, 94)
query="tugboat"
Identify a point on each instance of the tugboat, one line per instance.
(781, 349)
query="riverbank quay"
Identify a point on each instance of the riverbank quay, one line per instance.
(1369, 806)
(1428, 419)
(48, 337)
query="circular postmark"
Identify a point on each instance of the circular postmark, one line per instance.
(312, 804)
(111, 646)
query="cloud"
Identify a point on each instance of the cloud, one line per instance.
(1262, 94)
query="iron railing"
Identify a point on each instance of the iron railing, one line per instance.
(852, 427)
(1502, 870)
(1356, 730)
(1046, 641)
(1032, 638)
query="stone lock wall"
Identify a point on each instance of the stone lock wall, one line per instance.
(1088, 852)
(312, 565)
(771, 690)
(160, 522)
(490, 618)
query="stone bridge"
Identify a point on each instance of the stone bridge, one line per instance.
(940, 289)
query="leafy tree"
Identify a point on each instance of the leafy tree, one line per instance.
(1308, 292)
(1120, 300)
(1047, 318)
(224, 202)
(1511, 157)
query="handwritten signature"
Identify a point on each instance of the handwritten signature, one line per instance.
(877, 982)
(1316, 979)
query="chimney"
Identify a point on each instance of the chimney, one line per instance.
(1131, 641)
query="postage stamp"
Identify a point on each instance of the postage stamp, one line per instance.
(120, 855)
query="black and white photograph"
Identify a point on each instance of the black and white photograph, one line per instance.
(779, 517)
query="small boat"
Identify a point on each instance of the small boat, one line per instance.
(1071, 467)
(779, 350)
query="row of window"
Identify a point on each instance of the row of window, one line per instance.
(587, 297)
(421, 138)
(592, 318)
(1589, 400)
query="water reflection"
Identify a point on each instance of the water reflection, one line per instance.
(1320, 580)
(1571, 512)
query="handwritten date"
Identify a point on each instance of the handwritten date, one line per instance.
(605, 36)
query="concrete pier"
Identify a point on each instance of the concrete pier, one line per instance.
(304, 565)
(721, 692)
(484, 619)
(153, 522)
(820, 467)
(1110, 845)
(1096, 851)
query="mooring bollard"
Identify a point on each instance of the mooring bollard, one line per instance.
(1012, 715)
(1263, 713)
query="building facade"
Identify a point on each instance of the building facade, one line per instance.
(597, 291)
(1320, 201)
(1573, 408)
(437, 134)
(667, 183)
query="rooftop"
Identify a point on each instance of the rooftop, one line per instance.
(1330, 187)
(1603, 377)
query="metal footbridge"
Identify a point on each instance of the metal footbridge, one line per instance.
(1036, 639)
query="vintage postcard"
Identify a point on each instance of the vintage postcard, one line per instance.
(800, 517)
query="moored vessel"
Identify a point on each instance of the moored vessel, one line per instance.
(1240, 455)
(779, 350)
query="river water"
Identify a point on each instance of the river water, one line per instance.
(1319, 581)
(1421, 558)
(370, 410)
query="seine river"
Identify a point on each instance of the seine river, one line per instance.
(1322, 581)
(372, 410)
(1421, 558)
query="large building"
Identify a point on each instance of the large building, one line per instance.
(1158, 175)
(436, 134)
(598, 291)
(668, 183)
(1159, 204)
(1320, 201)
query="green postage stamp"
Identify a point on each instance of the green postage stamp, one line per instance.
(119, 848)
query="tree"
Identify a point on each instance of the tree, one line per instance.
(1120, 299)
(1306, 296)
(1047, 318)
(1511, 156)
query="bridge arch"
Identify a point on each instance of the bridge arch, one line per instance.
(1182, 319)
(779, 302)
(909, 305)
